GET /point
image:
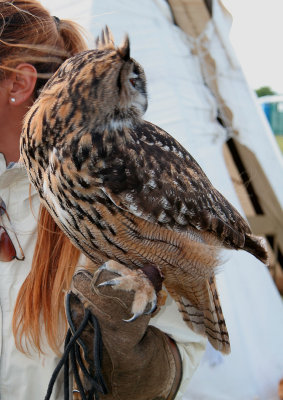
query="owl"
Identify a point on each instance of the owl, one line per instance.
(123, 189)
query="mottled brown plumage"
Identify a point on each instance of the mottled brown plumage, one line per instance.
(123, 189)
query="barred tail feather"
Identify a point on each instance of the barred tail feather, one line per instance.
(217, 326)
(207, 319)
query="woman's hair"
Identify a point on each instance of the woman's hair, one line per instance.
(40, 303)
(28, 33)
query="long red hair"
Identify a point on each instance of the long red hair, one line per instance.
(39, 308)
(30, 34)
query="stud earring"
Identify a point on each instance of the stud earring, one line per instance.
(13, 99)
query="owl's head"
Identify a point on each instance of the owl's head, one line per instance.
(105, 85)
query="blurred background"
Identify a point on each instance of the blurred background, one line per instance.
(256, 35)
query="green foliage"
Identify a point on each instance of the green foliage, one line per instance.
(264, 91)
(279, 139)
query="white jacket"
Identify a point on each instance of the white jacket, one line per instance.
(25, 377)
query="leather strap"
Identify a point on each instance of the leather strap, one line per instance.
(179, 371)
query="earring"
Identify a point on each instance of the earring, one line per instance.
(13, 99)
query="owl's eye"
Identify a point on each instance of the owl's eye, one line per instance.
(133, 81)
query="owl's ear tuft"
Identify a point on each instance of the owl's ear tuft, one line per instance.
(124, 49)
(106, 40)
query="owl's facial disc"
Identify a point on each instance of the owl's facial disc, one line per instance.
(137, 88)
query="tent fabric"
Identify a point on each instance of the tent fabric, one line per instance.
(191, 79)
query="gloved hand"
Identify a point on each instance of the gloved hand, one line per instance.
(139, 361)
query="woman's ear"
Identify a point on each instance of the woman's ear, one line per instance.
(22, 84)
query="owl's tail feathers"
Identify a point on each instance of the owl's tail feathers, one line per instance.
(207, 319)
(257, 246)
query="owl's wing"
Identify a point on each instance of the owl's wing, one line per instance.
(158, 180)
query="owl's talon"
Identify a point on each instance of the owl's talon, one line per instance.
(153, 307)
(103, 267)
(133, 318)
(112, 282)
(145, 292)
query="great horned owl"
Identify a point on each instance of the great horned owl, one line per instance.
(123, 189)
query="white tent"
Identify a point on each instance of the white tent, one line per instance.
(198, 93)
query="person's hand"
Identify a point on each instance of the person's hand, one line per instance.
(139, 361)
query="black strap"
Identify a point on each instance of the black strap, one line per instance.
(72, 353)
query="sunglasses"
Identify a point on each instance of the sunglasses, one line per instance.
(7, 249)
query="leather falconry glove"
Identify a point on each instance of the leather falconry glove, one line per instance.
(139, 362)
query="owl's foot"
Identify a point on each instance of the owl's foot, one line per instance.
(142, 283)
